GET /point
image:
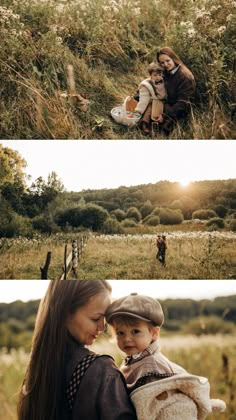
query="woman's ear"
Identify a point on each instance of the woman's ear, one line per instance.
(154, 332)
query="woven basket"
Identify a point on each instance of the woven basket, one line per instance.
(127, 118)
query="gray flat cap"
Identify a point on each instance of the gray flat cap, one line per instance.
(138, 306)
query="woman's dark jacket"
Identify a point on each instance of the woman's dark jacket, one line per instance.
(102, 393)
(180, 88)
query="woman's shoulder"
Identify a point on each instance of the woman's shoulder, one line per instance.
(104, 362)
(185, 73)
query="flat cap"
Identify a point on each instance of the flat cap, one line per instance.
(142, 307)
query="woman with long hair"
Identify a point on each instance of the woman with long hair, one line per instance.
(64, 379)
(180, 86)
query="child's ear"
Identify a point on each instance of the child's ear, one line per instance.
(155, 332)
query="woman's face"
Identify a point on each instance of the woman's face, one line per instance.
(86, 323)
(166, 62)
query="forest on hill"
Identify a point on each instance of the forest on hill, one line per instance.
(108, 45)
(205, 316)
(46, 207)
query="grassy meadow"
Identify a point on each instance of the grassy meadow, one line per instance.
(199, 355)
(54, 49)
(190, 255)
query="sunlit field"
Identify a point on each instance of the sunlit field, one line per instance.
(201, 356)
(190, 255)
(193, 255)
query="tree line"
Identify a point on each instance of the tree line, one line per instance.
(45, 206)
(17, 319)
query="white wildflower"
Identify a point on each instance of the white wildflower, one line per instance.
(221, 29)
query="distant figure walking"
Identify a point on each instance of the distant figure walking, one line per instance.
(162, 247)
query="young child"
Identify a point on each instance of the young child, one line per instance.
(158, 387)
(152, 93)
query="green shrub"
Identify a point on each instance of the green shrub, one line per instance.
(208, 325)
(112, 226)
(220, 210)
(232, 225)
(152, 220)
(119, 214)
(128, 223)
(146, 209)
(170, 216)
(216, 222)
(134, 213)
(204, 214)
(45, 224)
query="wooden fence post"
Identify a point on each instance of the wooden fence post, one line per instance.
(44, 270)
(65, 268)
(74, 256)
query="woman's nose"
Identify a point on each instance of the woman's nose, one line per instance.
(101, 324)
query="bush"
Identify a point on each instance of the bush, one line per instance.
(204, 214)
(152, 220)
(133, 213)
(119, 214)
(90, 216)
(146, 209)
(128, 223)
(216, 222)
(220, 210)
(232, 225)
(112, 226)
(170, 217)
(208, 325)
(45, 224)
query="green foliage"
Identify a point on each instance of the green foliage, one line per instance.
(126, 223)
(134, 213)
(112, 226)
(209, 325)
(220, 210)
(170, 217)
(204, 214)
(216, 222)
(119, 214)
(232, 225)
(152, 220)
(146, 209)
(45, 224)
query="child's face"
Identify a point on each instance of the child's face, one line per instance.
(156, 76)
(133, 339)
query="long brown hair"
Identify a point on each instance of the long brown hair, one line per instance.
(42, 396)
(168, 51)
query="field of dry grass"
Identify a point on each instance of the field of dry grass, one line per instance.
(190, 255)
(201, 356)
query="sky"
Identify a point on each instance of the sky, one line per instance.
(11, 290)
(109, 164)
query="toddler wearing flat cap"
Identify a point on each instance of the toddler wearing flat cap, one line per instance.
(158, 387)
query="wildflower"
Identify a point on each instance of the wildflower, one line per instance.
(221, 29)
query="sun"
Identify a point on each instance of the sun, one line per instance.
(184, 182)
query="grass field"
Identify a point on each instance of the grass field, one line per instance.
(201, 356)
(190, 255)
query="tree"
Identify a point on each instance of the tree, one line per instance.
(12, 166)
(146, 209)
(133, 213)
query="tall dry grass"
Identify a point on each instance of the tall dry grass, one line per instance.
(109, 44)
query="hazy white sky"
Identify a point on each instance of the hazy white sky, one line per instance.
(11, 290)
(109, 164)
